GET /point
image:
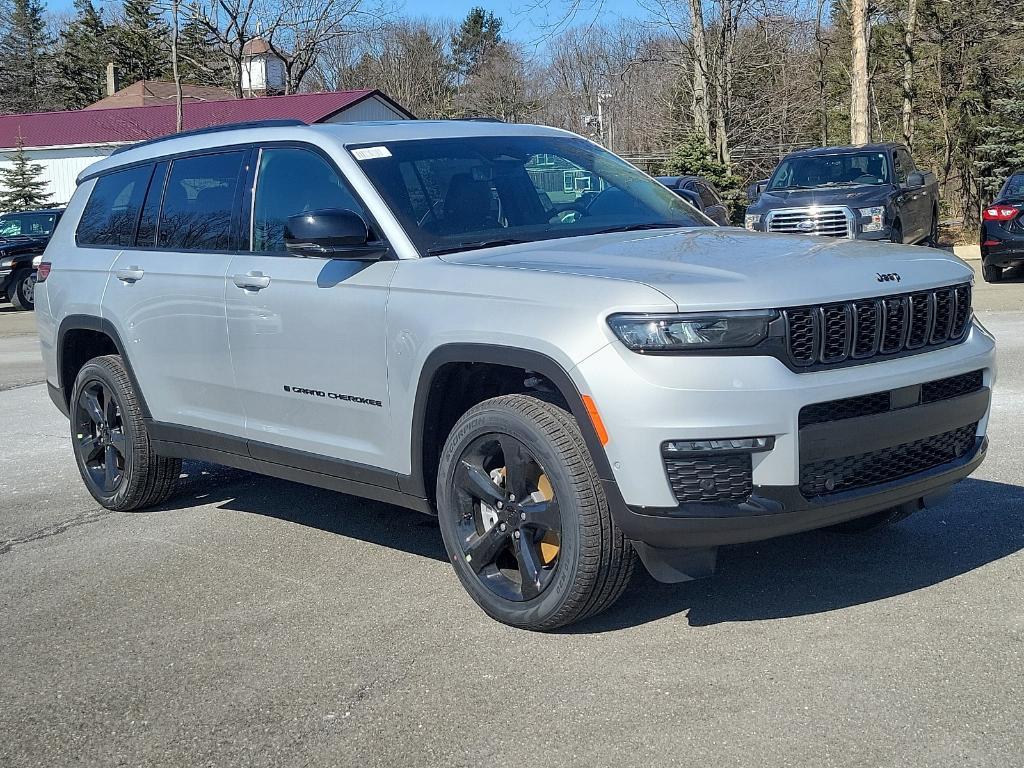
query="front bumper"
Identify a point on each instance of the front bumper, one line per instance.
(682, 398)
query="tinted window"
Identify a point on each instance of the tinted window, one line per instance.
(458, 192)
(1014, 186)
(708, 196)
(904, 165)
(113, 208)
(151, 208)
(292, 181)
(27, 224)
(199, 201)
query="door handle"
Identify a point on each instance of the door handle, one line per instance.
(253, 281)
(130, 275)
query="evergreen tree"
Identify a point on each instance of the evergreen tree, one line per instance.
(22, 187)
(140, 43)
(1002, 133)
(84, 54)
(477, 37)
(694, 157)
(26, 66)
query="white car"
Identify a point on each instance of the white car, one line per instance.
(511, 328)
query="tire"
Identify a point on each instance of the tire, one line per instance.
(111, 444)
(587, 562)
(876, 521)
(991, 273)
(932, 241)
(22, 290)
(896, 233)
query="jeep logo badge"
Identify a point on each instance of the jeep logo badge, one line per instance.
(889, 277)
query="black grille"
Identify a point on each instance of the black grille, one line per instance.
(726, 479)
(868, 328)
(820, 478)
(954, 386)
(881, 402)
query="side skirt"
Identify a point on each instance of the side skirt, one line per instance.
(286, 464)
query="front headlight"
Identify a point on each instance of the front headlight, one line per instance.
(36, 261)
(688, 332)
(751, 220)
(6, 265)
(876, 219)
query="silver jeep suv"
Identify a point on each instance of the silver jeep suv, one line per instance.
(510, 328)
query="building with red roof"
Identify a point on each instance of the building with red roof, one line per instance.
(65, 143)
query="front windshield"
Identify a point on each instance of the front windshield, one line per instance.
(27, 224)
(470, 192)
(844, 170)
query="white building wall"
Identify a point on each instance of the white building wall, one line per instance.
(61, 166)
(373, 108)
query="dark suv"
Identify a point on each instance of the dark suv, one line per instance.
(1002, 229)
(23, 238)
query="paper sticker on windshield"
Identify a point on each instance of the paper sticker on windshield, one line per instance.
(371, 153)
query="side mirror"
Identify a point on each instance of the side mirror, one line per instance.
(691, 197)
(754, 190)
(332, 233)
(915, 179)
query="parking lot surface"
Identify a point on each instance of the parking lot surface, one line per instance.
(255, 622)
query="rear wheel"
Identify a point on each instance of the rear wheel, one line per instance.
(991, 273)
(111, 443)
(524, 517)
(22, 290)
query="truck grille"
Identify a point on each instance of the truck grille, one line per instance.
(867, 328)
(835, 221)
(847, 473)
(724, 479)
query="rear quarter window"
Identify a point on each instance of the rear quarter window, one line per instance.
(113, 208)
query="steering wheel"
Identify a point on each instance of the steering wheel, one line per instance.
(567, 213)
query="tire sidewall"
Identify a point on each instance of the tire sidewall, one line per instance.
(99, 371)
(494, 420)
(19, 296)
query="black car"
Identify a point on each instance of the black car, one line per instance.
(701, 194)
(23, 237)
(1002, 229)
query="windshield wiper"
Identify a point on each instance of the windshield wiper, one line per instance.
(790, 186)
(473, 245)
(638, 227)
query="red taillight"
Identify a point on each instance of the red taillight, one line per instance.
(1000, 213)
(42, 271)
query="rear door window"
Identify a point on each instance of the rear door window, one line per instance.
(113, 209)
(199, 202)
(708, 196)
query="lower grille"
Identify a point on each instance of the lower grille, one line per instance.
(847, 473)
(881, 402)
(725, 479)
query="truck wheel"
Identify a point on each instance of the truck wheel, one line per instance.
(22, 290)
(524, 516)
(111, 443)
(991, 273)
(932, 241)
(896, 233)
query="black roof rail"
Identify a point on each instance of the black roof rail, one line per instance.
(212, 129)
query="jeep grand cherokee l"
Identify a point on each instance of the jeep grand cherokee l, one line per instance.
(569, 369)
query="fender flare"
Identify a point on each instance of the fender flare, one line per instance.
(104, 326)
(513, 357)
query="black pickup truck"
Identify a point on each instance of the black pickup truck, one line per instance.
(870, 192)
(23, 238)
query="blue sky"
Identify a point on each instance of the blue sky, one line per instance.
(524, 21)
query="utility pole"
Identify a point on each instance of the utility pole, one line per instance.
(605, 137)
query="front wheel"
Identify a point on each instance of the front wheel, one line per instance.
(22, 290)
(896, 233)
(524, 517)
(111, 442)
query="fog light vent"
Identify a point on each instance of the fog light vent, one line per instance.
(725, 479)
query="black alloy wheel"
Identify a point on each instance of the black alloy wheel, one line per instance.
(101, 442)
(510, 527)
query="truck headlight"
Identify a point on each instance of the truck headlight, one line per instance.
(688, 332)
(36, 261)
(751, 220)
(876, 218)
(6, 265)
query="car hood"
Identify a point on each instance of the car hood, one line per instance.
(854, 197)
(727, 268)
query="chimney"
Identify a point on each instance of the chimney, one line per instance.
(111, 79)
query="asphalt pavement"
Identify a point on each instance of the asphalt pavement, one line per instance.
(255, 622)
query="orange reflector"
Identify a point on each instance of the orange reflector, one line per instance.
(595, 419)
